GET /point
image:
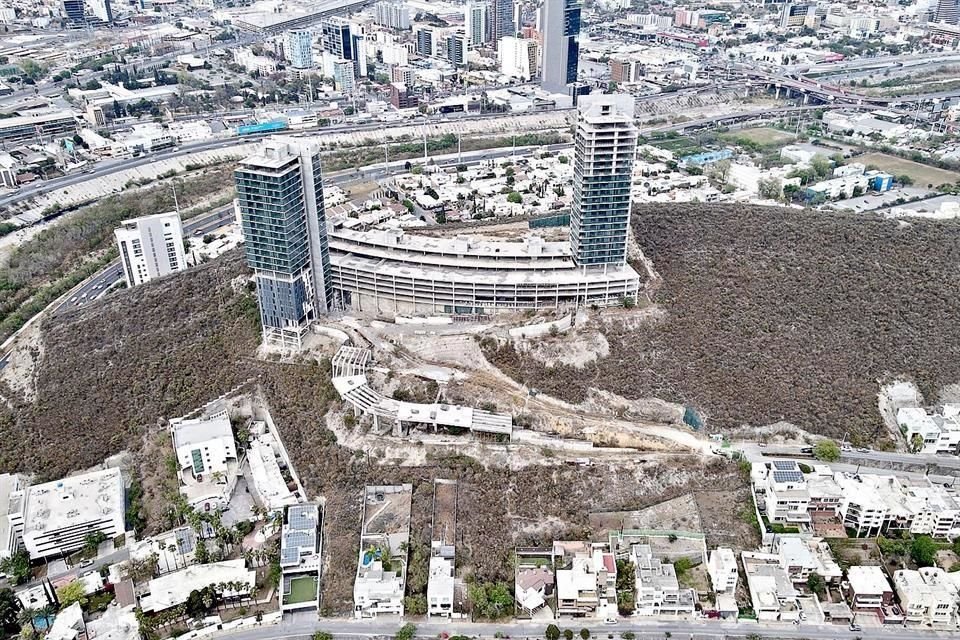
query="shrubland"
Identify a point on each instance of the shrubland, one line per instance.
(774, 314)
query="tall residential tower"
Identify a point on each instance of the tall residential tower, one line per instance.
(500, 20)
(475, 21)
(559, 26)
(150, 247)
(604, 148)
(280, 199)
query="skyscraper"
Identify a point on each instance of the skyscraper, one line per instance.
(424, 45)
(280, 198)
(102, 10)
(298, 49)
(392, 13)
(500, 20)
(604, 147)
(518, 58)
(456, 45)
(947, 11)
(73, 11)
(559, 27)
(475, 21)
(150, 247)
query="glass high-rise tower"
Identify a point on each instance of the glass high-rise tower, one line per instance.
(280, 199)
(605, 144)
(559, 27)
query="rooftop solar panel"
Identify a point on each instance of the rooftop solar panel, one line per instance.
(787, 476)
(784, 465)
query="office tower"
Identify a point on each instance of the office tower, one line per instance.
(947, 11)
(392, 13)
(604, 147)
(150, 247)
(73, 11)
(456, 45)
(559, 28)
(102, 10)
(500, 20)
(280, 198)
(425, 41)
(518, 58)
(343, 76)
(475, 21)
(298, 49)
(335, 37)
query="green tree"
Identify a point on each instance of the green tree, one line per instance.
(321, 635)
(553, 632)
(916, 443)
(17, 567)
(585, 633)
(415, 605)
(514, 197)
(905, 180)
(72, 592)
(568, 634)
(406, 632)
(817, 584)
(770, 188)
(491, 600)
(32, 69)
(826, 451)
(821, 165)
(923, 551)
(9, 610)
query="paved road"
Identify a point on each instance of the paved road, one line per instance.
(109, 167)
(101, 282)
(852, 457)
(303, 625)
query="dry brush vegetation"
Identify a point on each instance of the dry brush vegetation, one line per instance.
(112, 370)
(777, 314)
(117, 366)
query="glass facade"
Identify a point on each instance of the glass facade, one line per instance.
(273, 218)
(604, 149)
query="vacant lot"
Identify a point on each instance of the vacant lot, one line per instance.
(762, 136)
(922, 174)
(775, 314)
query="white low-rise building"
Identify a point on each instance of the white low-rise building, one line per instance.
(722, 568)
(787, 498)
(657, 587)
(300, 557)
(12, 487)
(771, 591)
(441, 583)
(927, 433)
(204, 445)
(926, 596)
(174, 588)
(58, 516)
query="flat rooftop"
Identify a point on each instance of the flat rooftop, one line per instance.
(461, 246)
(71, 501)
(299, 534)
(174, 588)
(494, 274)
(199, 430)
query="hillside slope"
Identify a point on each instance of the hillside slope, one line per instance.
(777, 314)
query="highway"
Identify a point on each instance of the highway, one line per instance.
(301, 626)
(851, 457)
(109, 167)
(98, 284)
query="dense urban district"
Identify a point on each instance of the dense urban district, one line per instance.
(468, 319)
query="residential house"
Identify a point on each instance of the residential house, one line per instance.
(722, 569)
(926, 596)
(787, 498)
(586, 579)
(772, 592)
(868, 588)
(658, 590)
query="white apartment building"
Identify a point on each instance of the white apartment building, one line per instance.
(658, 590)
(58, 516)
(927, 596)
(787, 498)
(938, 433)
(801, 556)
(518, 57)
(722, 568)
(204, 446)
(875, 504)
(151, 247)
